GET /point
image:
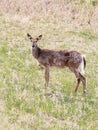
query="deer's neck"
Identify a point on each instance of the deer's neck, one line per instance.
(36, 52)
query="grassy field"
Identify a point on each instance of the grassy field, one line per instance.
(24, 105)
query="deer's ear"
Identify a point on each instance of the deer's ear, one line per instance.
(30, 37)
(39, 37)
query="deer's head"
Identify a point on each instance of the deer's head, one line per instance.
(34, 40)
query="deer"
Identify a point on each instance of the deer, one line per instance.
(59, 58)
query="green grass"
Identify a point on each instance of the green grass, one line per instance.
(24, 105)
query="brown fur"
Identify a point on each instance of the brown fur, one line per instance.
(61, 58)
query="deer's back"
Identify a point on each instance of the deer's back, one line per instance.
(60, 58)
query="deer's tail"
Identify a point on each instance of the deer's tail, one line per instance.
(83, 64)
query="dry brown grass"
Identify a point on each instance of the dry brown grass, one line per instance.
(75, 12)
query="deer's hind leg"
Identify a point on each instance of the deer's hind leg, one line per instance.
(83, 79)
(77, 85)
(79, 77)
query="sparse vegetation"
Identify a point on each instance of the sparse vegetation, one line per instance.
(24, 105)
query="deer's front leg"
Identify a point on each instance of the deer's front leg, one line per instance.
(46, 76)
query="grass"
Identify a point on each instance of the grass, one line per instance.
(23, 103)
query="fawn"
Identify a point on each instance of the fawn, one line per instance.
(61, 58)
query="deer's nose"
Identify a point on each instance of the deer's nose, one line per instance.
(33, 46)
